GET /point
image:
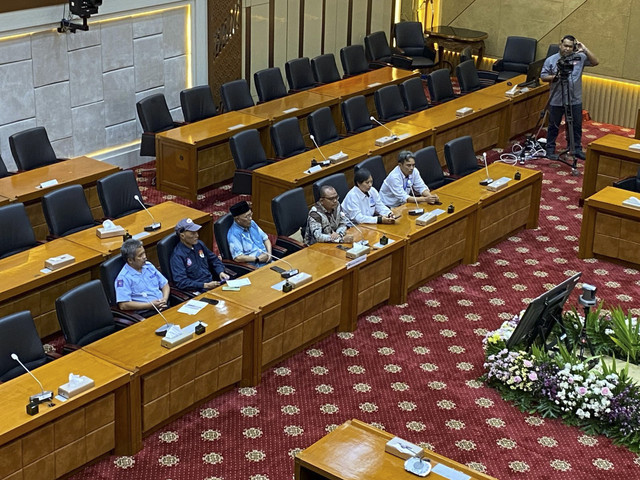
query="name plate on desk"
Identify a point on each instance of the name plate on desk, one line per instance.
(386, 140)
(315, 169)
(291, 110)
(374, 84)
(48, 183)
(236, 127)
(55, 263)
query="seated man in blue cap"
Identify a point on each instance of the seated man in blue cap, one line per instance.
(194, 267)
(247, 242)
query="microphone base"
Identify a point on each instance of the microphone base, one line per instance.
(162, 331)
(41, 397)
(416, 211)
(153, 227)
(486, 181)
(289, 273)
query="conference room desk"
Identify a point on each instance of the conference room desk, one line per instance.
(25, 287)
(290, 321)
(66, 436)
(25, 186)
(166, 382)
(435, 248)
(195, 156)
(167, 213)
(356, 451)
(610, 230)
(378, 278)
(3, 201)
(609, 159)
(503, 212)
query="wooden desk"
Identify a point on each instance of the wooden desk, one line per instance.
(456, 39)
(70, 434)
(503, 212)
(195, 156)
(289, 321)
(23, 186)
(610, 230)
(355, 451)
(378, 278)
(3, 201)
(437, 247)
(166, 382)
(167, 213)
(25, 287)
(608, 160)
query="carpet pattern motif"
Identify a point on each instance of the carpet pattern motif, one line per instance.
(411, 369)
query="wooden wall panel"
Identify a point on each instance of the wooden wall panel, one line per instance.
(359, 21)
(312, 29)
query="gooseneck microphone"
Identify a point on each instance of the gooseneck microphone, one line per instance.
(487, 180)
(44, 395)
(416, 211)
(393, 135)
(160, 331)
(361, 242)
(286, 273)
(313, 139)
(155, 225)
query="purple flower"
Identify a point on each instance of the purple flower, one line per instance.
(533, 376)
(527, 363)
(582, 390)
(517, 379)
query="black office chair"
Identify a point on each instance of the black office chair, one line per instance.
(16, 233)
(630, 183)
(410, 42)
(380, 53)
(519, 52)
(354, 61)
(286, 138)
(248, 155)
(389, 104)
(337, 181)
(467, 76)
(3, 169)
(375, 165)
(413, 96)
(356, 115)
(154, 117)
(116, 193)
(67, 211)
(322, 126)
(299, 74)
(428, 165)
(552, 50)
(325, 69)
(236, 95)
(289, 211)
(220, 229)
(32, 149)
(269, 84)
(85, 316)
(485, 77)
(440, 87)
(461, 157)
(18, 335)
(197, 103)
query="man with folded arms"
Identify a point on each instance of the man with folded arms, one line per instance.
(247, 242)
(325, 222)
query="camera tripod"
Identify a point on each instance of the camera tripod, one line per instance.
(569, 153)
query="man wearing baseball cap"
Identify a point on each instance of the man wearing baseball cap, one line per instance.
(194, 267)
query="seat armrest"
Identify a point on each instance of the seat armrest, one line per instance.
(488, 75)
(53, 355)
(498, 66)
(628, 183)
(289, 245)
(70, 347)
(238, 268)
(125, 314)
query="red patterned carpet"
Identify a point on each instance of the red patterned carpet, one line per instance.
(411, 369)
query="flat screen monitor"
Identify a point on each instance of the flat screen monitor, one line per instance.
(533, 74)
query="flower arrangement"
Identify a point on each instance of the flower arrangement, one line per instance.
(592, 394)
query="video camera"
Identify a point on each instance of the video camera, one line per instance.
(84, 8)
(565, 64)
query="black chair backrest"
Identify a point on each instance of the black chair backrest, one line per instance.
(247, 150)
(66, 210)
(84, 314)
(154, 114)
(337, 181)
(18, 335)
(220, 229)
(3, 169)
(16, 233)
(322, 127)
(353, 59)
(286, 138)
(197, 103)
(377, 47)
(519, 52)
(440, 87)
(164, 248)
(466, 54)
(460, 156)
(289, 211)
(413, 95)
(109, 270)
(236, 95)
(552, 50)
(299, 74)
(116, 193)
(269, 84)
(325, 69)
(389, 103)
(32, 149)
(410, 38)
(468, 76)
(375, 165)
(429, 167)
(356, 115)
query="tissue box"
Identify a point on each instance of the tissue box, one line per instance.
(426, 218)
(401, 448)
(54, 263)
(498, 184)
(102, 232)
(464, 111)
(338, 157)
(382, 141)
(83, 383)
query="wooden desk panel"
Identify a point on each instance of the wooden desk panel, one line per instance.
(195, 156)
(610, 230)
(167, 382)
(70, 434)
(356, 451)
(23, 187)
(609, 159)
(3, 200)
(25, 287)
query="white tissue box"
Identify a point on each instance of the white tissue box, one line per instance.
(338, 157)
(102, 232)
(83, 383)
(401, 448)
(54, 263)
(464, 111)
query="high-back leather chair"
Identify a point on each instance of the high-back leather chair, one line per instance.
(389, 104)
(519, 52)
(236, 95)
(116, 193)
(325, 69)
(322, 126)
(18, 335)
(289, 211)
(154, 117)
(460, 156)
(410, 41)
(16, 233)
(356, 115)
(57, 206)
(220, 229)
(32, 149)
(440, 87)
(299, 74)
(197, 103)
(286, 138)
(375, 165)
(377, 47)
(248, 155)
(413, 96)
(3, 169)
(337, 181)
(269, 84)
(354, 60)
(430, 169)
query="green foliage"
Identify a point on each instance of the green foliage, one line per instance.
(626, 334)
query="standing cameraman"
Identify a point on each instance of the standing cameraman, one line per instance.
(571, 60)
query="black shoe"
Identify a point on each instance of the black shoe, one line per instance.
(552, 156)
(580, 154)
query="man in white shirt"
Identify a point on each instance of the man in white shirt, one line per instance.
(404, 184)
(363, 204)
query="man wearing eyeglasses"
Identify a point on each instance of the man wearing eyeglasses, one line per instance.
(247, 242)
(325, 222)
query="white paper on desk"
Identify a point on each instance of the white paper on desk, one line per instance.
(403, 136)
(374, 84)
(46, 270)
(278, 286)
(140, 235)
(240, 282)
(192, 307)
(289, 110)
(235, 127)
